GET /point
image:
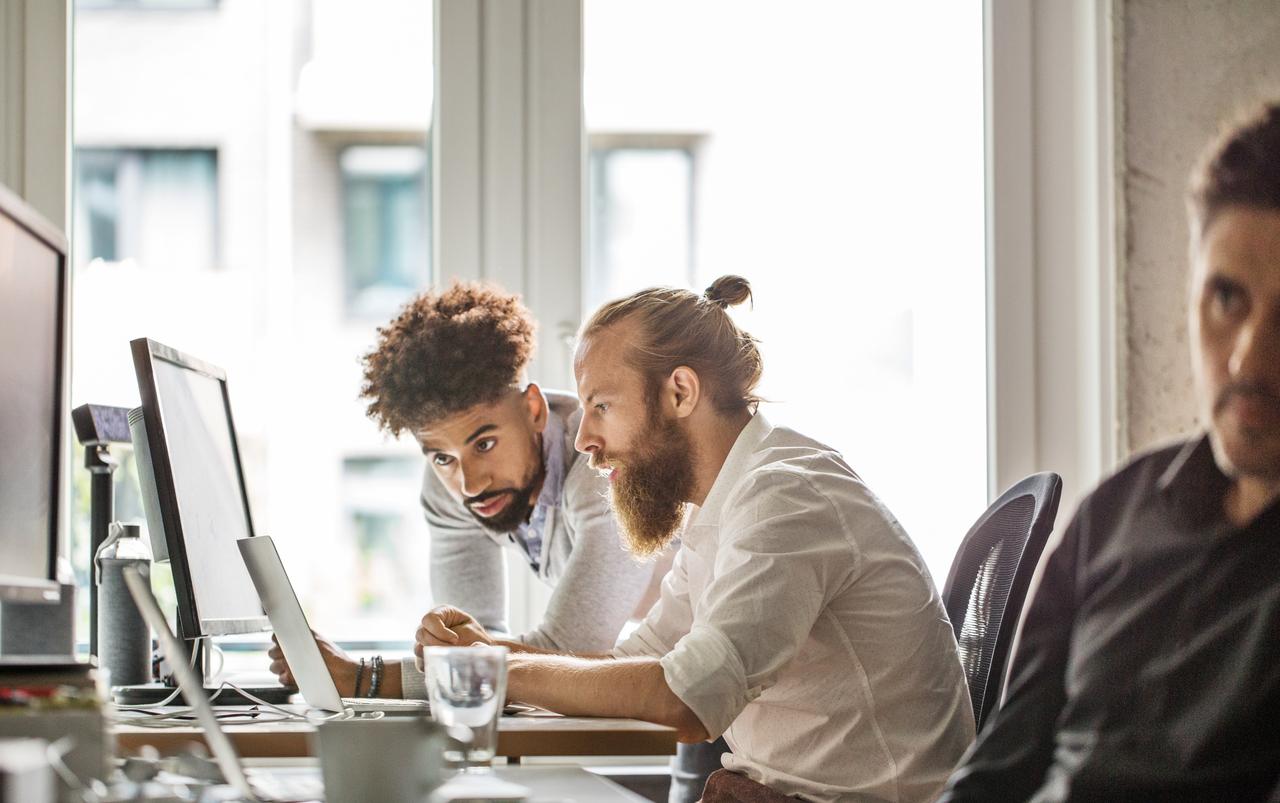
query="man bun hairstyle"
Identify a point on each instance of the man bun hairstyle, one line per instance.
(1240, 168)
(728, 291)
(446, 351)
(679, 327)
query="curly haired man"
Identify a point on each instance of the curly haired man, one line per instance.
(502, 473)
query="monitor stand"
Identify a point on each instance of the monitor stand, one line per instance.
(152, 693)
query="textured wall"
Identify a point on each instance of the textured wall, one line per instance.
(1186, 65)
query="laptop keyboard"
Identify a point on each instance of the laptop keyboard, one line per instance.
(386, 704)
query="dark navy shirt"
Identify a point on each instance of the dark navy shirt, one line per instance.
(1148, 667)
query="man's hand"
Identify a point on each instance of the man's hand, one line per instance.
(447, 626)
(340, 665)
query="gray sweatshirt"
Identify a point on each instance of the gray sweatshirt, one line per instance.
(597, 584)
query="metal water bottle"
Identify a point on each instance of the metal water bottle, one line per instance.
(124, 640)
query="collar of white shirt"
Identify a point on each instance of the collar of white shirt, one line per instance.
(735, 464)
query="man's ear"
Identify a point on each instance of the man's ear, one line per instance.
(683, 391)
(535, 407)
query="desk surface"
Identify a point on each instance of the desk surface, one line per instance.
(559, 783)
(523, 735)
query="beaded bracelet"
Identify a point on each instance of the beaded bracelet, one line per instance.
(376, 682)
(359, 672)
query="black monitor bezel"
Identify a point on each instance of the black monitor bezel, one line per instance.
(24, 589)
(145, 352)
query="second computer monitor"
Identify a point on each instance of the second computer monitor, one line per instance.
(33, 329)
(200, 489)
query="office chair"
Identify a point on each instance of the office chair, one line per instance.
(988, 582)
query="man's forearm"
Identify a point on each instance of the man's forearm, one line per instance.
(529, 649)
(634, 688)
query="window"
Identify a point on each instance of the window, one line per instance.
(387, 225)
(310, 196)
(780, 152)
(383, 589)
(641, 215)
(839, 168)
(153, 206)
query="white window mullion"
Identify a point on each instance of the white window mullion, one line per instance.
(456, 142)
(556, 186)
(508, 176)
(1011, 319)
(35, 102)
(1055, 396)
(503, 134)
(509, 158)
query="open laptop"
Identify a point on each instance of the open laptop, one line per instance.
(251, 785)
(281, 785)
(296, 641)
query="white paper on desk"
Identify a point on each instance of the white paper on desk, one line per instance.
(479, 787)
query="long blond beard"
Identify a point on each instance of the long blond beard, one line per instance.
(649, 492)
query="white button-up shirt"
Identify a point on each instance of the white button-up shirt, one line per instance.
(800, 621)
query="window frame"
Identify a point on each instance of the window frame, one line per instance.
(1054, 303)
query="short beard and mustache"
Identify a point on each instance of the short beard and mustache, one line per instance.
(652, 486)
(517, 510)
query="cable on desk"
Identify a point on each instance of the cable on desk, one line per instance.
(144, 707)
(171, 697)
(147, 716)
(345, 713)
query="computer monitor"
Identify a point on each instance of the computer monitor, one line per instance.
(199, 487)
(33, 331)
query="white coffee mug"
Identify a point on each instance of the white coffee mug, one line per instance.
(396, 760)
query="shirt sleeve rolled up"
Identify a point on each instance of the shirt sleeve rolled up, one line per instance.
(783, 554)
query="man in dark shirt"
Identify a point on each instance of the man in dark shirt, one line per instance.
(1148, 667)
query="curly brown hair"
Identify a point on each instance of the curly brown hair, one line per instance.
(446, 351)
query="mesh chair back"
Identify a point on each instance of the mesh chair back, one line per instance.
(989, 578)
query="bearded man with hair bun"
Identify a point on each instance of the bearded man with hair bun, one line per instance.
(501, 474)
(798, 619)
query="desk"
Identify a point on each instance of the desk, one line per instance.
(523, 735)
(543, 783)
(562, 783)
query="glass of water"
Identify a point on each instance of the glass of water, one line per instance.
(467, 687)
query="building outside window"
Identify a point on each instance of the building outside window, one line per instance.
(265, 213)
(154, 206)
(641, 192)
(386, 558)
(386, 221)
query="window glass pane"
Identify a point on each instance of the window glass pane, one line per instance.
(641, 226)
(213, 199)
(387, 241)
(837, 163)
(157, 207)
(385, 568)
